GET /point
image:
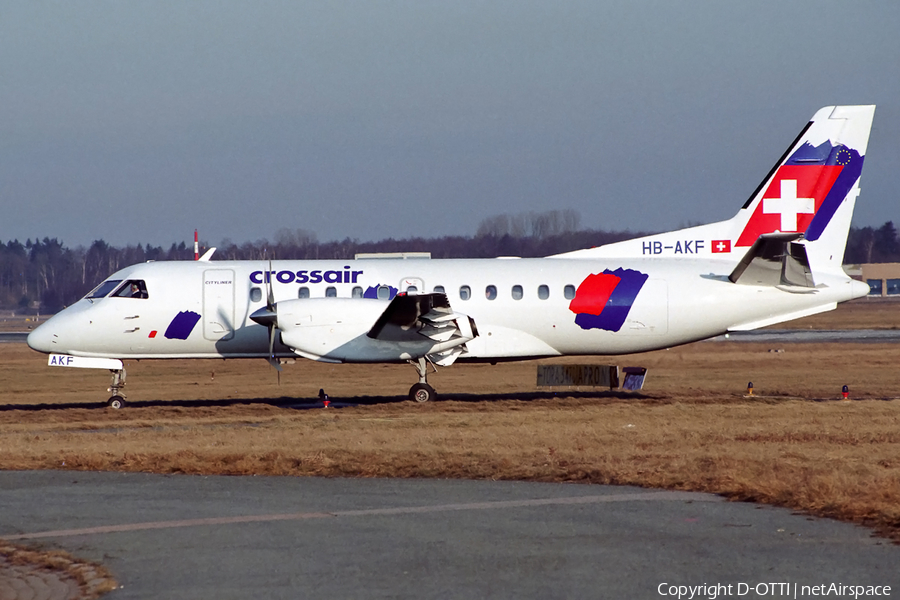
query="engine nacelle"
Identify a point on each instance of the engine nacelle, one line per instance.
(316, 327)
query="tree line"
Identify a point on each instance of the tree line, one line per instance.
(45, 275)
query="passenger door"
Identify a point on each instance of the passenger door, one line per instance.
(218, 304)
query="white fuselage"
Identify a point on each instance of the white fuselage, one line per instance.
(530, 314)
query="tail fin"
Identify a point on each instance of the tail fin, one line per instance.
(811, 190)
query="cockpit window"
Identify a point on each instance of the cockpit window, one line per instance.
(133, 288)
(104, 288)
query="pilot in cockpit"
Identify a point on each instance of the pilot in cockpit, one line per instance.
(133, 289)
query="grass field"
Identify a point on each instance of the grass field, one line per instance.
(793, 444)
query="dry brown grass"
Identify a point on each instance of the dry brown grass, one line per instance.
(792, 445)
(11, 322)
(829, 458)
(94, 580)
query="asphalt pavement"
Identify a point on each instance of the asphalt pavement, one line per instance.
(196, 537)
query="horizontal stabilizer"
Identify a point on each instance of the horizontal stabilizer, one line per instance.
(775, 259)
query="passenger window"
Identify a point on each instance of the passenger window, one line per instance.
(303, 292)
(133, 288)
(357, 292)
(331, 292)
(490, 292)
(517, 292)
(384, 292)
(569, 292)
(439, 289)
(465, 292)
(104, 288)
(411, 289)
(543, 292)
(255, 294)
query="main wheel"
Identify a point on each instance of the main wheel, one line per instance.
(116, 402)
(422, 392)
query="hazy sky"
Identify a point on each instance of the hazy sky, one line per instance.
(140, 121)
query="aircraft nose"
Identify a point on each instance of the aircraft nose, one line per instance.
(42, 339)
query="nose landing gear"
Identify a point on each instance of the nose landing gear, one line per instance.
(117, 400)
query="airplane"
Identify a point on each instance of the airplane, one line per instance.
(779, 258)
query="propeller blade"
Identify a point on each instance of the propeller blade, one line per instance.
(270, 294)
(268, 317)
(272, 360)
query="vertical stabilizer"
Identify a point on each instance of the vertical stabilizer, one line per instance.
(813, 190)
(810, 191)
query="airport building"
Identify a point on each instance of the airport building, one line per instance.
(883, 279)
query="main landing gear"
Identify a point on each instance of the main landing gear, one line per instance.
(117, 400)
(421, 392)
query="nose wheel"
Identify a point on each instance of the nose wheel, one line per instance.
(117, 400)
(421, 392)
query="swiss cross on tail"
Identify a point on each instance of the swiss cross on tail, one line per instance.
(805, 192)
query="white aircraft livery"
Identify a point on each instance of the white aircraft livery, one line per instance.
(778, 258)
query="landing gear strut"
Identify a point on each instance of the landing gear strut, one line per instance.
(421, 392)
(117, 400)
